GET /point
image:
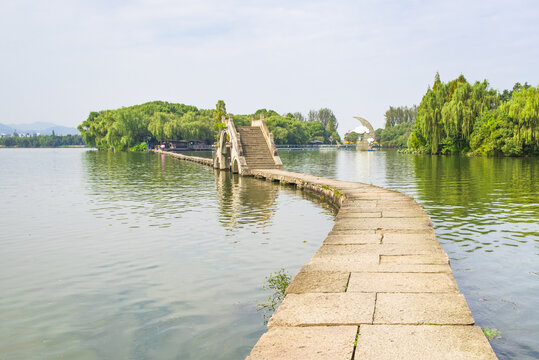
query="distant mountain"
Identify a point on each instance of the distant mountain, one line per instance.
(38, 127)
(4, 129)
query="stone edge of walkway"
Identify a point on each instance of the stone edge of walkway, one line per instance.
(360, 297)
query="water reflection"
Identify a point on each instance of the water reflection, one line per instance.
(481, 202)
(146, 187)
(244, 201)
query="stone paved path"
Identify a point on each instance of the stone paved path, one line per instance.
(379, 287)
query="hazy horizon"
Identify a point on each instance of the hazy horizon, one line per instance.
(65, 59)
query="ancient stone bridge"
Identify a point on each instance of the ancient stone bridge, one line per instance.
(379, 287)
(246, 148)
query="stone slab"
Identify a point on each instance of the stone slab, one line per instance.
(423, 342)
(370, 238)
(352, 232)
(423, 259)
(300, 343)
(368, 195)
(381, 249)
(356, 210)
(348, 249)
(427, 308)
(383, 223)
(347, 265)
(363, 260)
(404, 213)
(358, 204)
(362, 214)
(397, 205)
(410, 238)
(324, 309)
(318, 282)
(402, 282)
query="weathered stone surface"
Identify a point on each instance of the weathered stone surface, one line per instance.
(318, 282)
(426, 342)
(383, 223)
(415, 238)
(425, 259)
(358, 204)
(397, 205)
(344, 264)
(301, 343)
(354, 249)
(424, 308)
(402, 282)
(381, 249)
(353, 239)
(352, 232)
(360, 259)
(404, 213)
(371, 195)
(358, 210)
(362, 188)
(411, 249)
(324, 309)
(355, 215)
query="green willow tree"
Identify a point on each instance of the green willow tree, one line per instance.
(399, 125)
(400, 115)
(459, 117)
(219, 112)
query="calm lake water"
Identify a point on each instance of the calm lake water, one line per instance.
(140, 256)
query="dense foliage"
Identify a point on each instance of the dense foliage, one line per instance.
(399, 125)
(157, 121)
(394, 136)
(154, 121)
(400, 115)
(353, 137)
(458, 117)
(43, 141)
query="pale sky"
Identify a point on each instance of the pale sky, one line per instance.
(61, 59)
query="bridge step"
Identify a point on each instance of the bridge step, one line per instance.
(255, 148)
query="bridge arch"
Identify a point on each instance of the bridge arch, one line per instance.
(222, 157)
(235, 166)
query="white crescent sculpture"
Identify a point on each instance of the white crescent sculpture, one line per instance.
(369, 135)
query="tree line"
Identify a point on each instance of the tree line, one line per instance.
(400, 122)
(157, 121)
(460, 117)
(41, 141)
(400, 115)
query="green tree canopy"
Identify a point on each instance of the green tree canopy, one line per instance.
(461, 117)
(158, 121)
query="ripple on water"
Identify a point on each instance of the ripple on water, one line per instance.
(141, 256)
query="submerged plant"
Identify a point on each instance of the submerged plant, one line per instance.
(491, 334)
(278, 282)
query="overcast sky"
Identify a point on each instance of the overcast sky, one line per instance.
(62, 59)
